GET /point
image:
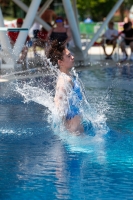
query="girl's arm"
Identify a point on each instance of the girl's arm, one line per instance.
(61, 96)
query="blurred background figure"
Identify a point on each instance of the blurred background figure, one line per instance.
(71, 42)
(13, 35)
(49, 16)
(59, 32)
(131, 14)
(110, 38)
(40, 41)
(88, 20)
(126, 19)
(36, 27)
(127, 35)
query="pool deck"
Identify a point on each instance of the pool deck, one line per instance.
(95, 55)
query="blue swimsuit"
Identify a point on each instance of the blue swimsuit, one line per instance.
(74, 101)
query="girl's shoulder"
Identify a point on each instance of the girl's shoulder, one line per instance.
(65, 76)
(64, 79)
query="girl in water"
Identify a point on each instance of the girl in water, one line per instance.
(68, 96)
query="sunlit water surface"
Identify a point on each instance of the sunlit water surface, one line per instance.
(38, 163)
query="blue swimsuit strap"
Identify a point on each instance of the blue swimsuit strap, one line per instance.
(76, 88)
(73, 108)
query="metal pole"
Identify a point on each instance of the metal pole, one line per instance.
(74, 2)
(27, 23)
(5, 43)
(110, 15)
(73, 25)
(44, 7)
(38, 19)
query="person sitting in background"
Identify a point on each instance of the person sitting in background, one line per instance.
(127, 35)
(59, 33)
(71, 42)
(13, 35)
(41, 40)
(48, 16)
(88, 20)
(35, 28)
(126, 19)
(109, 37)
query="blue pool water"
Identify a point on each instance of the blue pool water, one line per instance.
(36, 163)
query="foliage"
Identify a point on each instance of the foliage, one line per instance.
(11, 10)
(98, 9)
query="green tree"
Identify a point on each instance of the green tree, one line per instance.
(98, 9)
(11, 10)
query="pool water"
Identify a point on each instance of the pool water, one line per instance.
(36, 163)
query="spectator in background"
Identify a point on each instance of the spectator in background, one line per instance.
(109, 38)
(59, 33)
(127, 35)
(40, 41)
(35, 28)
(13, 35)
(88, 20)
(71, 42)
(48, 16)
(126, 19)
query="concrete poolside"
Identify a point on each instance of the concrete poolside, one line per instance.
(95, 55)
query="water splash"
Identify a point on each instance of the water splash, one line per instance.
(41, 89)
